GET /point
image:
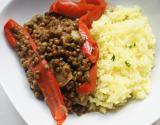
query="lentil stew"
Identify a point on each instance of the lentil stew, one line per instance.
(59, 55)
(59, 42)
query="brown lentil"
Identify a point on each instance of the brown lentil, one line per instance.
(27, 59)
(59, 42)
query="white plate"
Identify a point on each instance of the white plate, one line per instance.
(36, 112)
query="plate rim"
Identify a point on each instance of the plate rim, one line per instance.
(19, 111)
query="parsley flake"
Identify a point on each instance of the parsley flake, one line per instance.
(113, 58)
(127, 64)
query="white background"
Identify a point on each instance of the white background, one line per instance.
(8, 114)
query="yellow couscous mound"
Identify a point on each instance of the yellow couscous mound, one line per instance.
(126, 45)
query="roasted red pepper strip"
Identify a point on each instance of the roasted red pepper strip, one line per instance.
(96, 2)
(47, 81)
(92, 16)
(66, 8)
(87, 11)
(51, 91)
(11, 24)
(90, 47)
(88, 88)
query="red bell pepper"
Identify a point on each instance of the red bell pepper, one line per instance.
(11, 24)
(88, 88)
(87, 11)
(47, 81)
(96, 2)
(51, 91)
(90, 48)
(66, 8)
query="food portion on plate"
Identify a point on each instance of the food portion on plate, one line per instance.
(85, 56)
(127, 47)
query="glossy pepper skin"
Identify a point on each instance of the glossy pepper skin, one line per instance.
(88, 88)
(87, 11)
(11, 24)
(66, 8)
(47, 81)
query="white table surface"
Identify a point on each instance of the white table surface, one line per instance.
(8, 114)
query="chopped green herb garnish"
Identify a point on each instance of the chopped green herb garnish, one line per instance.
(126, 17)
(113, 58)
(127, 64)
(130, 46)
